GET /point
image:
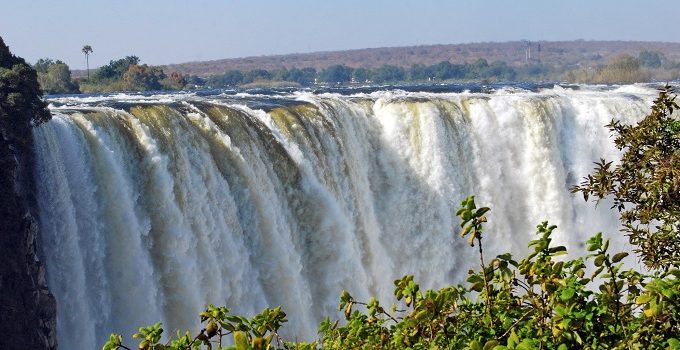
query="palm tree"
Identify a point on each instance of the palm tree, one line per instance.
(87, 49)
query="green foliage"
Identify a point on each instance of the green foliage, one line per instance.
(542, 302)
(471, 220)
(43, 64)
(546, 300)
(255, 75)
(55, 77)
(536, 71)
(228, 79)
(625, 69)
(645, 185)
(388, 74)
(445, 70)
(651, 59)
(360, 75)
(194, 81)
(20, 102)
(477, 69)
(112, 77)
(501, 71)
(234, 78)
(114, 70)
(87, 50)
(304, 76)
(143, 77)
(419, 72)
(336, 74)
(257, 333)
(127, 74)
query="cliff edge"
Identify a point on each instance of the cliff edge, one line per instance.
(27, 308)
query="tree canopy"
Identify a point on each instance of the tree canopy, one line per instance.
(651, 59)
(115, 69)
(336, 74)
(21, 105)
(55, 77)
(143, 77)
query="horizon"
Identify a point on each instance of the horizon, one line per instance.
(79, 70)
(207, 31)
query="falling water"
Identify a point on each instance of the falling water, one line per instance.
(152, 207)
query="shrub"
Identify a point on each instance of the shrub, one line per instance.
(645, 185)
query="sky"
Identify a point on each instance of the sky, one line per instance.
(175, 31)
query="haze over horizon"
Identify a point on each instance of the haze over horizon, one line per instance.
(162, 32)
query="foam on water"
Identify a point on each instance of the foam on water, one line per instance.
(153, 208)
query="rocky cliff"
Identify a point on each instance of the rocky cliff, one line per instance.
(27, 308)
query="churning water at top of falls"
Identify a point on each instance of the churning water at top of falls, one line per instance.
(151, 207)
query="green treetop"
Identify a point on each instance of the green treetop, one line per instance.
(20, 102)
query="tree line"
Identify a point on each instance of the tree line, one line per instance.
(129, 74)
(386, 74)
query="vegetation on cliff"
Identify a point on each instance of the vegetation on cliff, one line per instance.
(27, 308)
(542, 301)
(21, 105)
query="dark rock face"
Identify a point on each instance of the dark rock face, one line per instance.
(27, 308)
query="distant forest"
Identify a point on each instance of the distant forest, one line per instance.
(569, 61)
(570, 54)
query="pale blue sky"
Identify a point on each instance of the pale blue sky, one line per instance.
(173, 31)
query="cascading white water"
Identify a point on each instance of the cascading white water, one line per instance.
(151, 208)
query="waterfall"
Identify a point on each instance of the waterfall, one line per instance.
(151, 207)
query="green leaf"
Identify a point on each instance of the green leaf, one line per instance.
(597, 272)
(567, 294)
(513, 339)
(526, 344)
(481, 211)
(599, 260)
(477, 287)
(474, 279)
(618, 257)
(241, 340)
(490, 345)
(556, 251)
(643, 299)
(594, 242)
(557, 268)
(475, 345)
